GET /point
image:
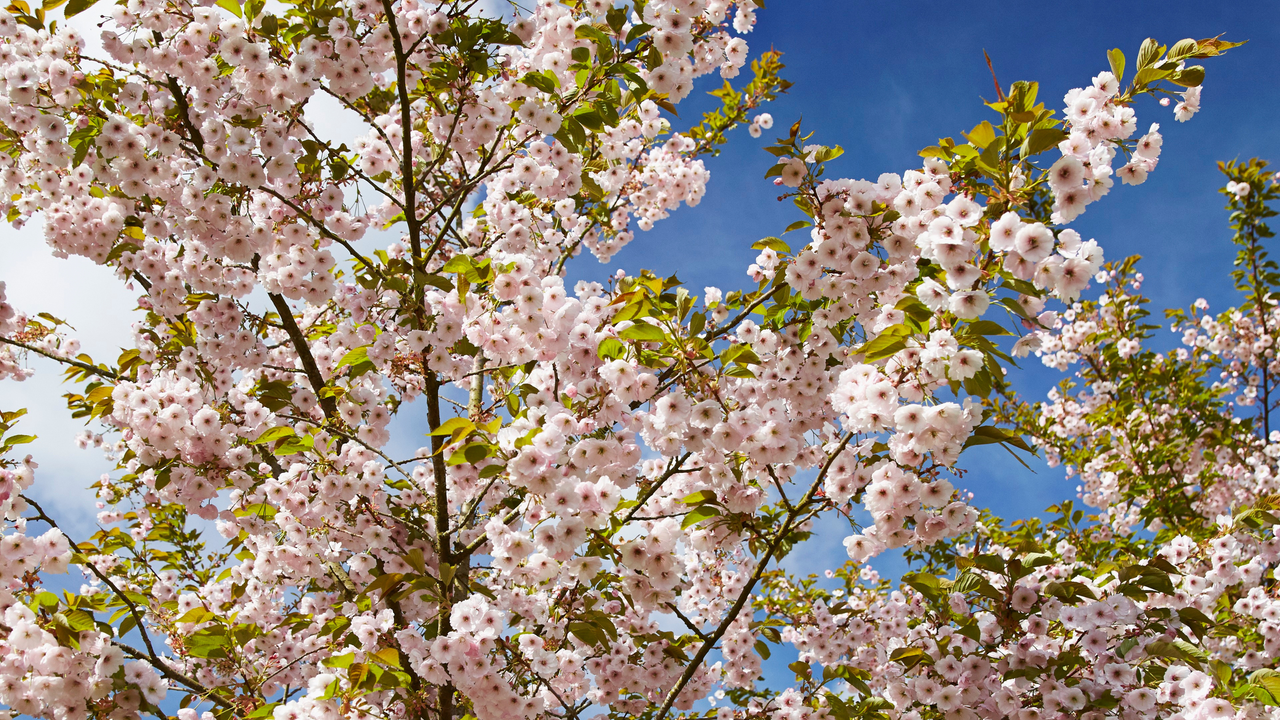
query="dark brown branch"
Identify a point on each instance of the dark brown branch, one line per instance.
(406, 137)
(300, 345)
(687, 622)
(444, 697)
(653, 489)
(184, 114)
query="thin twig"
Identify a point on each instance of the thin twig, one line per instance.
(657, 484)
(687, 622)
(68, 361)
(788, 525)
(152, 656)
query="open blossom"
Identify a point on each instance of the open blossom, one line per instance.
(1189, 106)
(604, 461)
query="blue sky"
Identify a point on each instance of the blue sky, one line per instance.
(886, 79)
(882, 79)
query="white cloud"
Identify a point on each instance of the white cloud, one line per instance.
(101, 310)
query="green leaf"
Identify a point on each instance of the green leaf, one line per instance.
(888, 342)
(1268, 680)
(1193, 617)
(1148, 53)
(587, 633)
(987, 327)
(266, 512)
(801, 669)
(384, 584)
(540, 81)
(340, 661)
(1148, 75)
(1126, 646)
(276, 433)
(910, 657)
(797, 225)
(1115, 56)
(991, 563)
(740, 353)
(839, 709)
(772, 243)
(762, 650)
(594, 34)
(1174, 651)
(471, 453)
(968, 582)
(79, 620)
(231, 6)
(453, 426)
(1192, 651)
(436, 281)
(195, 615)
(698, 514)
(589, 118)
(354, 357)
(616, 17)
(458, 264)
(1014, 307)
(698, 498)
(1185, 47)
(75, 7)
(611, 349)
(830, 154)
(697, 323)
(1068, 590)
(208, 642)
(644, 332)
(927, 585)
(1035, 560)
(120, 248)
(1189, 76)
(1042, 139)
(981, 135)
(915, 310)
(265, 711)
(489, 471)
(988, 434)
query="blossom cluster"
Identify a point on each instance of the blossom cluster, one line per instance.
(603, 459)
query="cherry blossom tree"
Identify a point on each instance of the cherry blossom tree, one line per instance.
(613, 471)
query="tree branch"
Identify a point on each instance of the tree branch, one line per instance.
(67, 361)
(788, 526)
(323, 229)
(152, 656)
(653, 489)
(300, 345)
